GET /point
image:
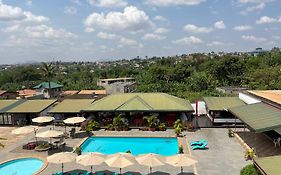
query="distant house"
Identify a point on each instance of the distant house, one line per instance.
(106, 82)
(120, 87)
(43, 89)
(88, 94)
(26, 93)
(258, 51)
(8, 94)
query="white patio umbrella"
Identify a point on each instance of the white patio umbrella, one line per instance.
(61, 158)
(49, 134)
(91, 159)
(26, 130)
(180, 160)
(74, 120)
(151, 160)
(43, 119)
(120, 160)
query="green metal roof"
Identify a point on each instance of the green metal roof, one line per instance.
(46, 85)
(260, 117)
(269, 165)
(222, 103)
(71, 106)
(31, 106)
(6, 103)
(141, 102)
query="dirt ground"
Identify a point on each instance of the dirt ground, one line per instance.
(6, 136)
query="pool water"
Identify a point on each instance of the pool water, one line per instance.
(24, 166)
(136, 145)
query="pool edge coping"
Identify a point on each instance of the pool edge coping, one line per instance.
(43, 159)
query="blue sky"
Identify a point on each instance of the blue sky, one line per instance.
(90, 30)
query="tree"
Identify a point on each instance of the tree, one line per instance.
(48, 71)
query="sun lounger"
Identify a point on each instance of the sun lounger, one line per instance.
(201, 142)
(203, 146)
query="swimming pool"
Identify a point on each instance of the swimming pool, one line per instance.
(136, 145)
(23, 166)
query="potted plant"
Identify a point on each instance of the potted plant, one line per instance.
(126, 127)
(118, 122)
(152, 122)
(230, 133)
(249, 154)
(178, 123)
(110, 127)
(78, 150)
(178, 131)
(162, 127)
(181, 150)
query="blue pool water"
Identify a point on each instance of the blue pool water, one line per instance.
(137, 145)
(24, 166)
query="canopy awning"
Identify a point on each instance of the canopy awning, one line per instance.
(71, 106)
(222, 103)
(143, 102)
(269, 165)
(259, 117)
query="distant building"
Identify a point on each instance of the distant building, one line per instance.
(231, 90)
(26, 93)
(8, 94)
(106, 82)
(43, 89)
(120, 87)
(258, 51)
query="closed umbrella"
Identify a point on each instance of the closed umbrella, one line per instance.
(43, 119)
(120, 160)
(91, 159)
(151, 160)
(180, 160)
(61, 158)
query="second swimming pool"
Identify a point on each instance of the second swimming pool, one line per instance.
(136, 145)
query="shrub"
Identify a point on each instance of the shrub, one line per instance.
(178, 131)
(92, 126)
(152, 121)
(118, 122)
(110, 127)
(178, 124)
(162, 127)
(249, 170)
(181, 150)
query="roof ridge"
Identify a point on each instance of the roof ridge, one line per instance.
(133, 98)
(176, 101)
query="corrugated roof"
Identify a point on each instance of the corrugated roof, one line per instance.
(5, 103)
(269, 165)
(272, 95)
(90, 92)
(70, 92)
(260, 117)
(141, 102)
(32, 106)
(46, 85)
(222, 103)
(71, 106)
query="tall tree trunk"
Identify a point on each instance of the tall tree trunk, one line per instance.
(49, 90)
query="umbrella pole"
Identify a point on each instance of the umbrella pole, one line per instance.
(181, 169)
(35, 136)
(62, 167)
(120, 171)
(91, 169)
(150, 169)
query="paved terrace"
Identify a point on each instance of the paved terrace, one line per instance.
(224, 156)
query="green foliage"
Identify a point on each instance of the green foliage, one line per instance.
(110, 127)
(249, 154)
(152, 121)
(178, 124)
(118, 121)
(162, 127)
(78, 150)
(92, 126)
(181, 150)
(249, 170)
(178, 131)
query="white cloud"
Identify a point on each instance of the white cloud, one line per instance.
(132, 19)
(173, 2)
(107, 36)
(126, 42)
(254, 1)
(13, 28)
(89, 29)
(160, 18)
(161, 30)
(188, 40)
(243, 28)
(152, 36)
(108, 3)
(253, 8)
(28, 2)
(10, 13)
(77, 2)
(215, 43)
(220, 25)
(253, 38)
(43, 31)
(268, 20)
(194, 29)
(70, 10)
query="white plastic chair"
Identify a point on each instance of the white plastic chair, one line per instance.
(277, 141)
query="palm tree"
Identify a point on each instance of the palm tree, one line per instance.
(48, 71)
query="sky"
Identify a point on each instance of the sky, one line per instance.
(95, 30)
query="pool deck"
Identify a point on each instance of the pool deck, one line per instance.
(224, 156)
